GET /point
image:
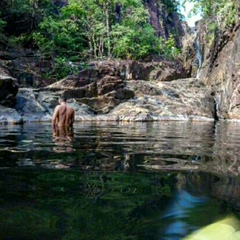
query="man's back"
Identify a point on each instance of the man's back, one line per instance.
(63, 115)
(70, 116)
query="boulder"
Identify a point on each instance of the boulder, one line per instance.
(148, 71)
(10, 115)
(186, 99)
(8, 88)
(104, 93)
(101, 88)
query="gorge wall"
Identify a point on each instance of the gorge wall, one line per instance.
(220, 68)
(129, 90)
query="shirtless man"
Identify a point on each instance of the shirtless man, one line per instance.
(63, 116)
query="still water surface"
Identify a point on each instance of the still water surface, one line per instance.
(160, 180)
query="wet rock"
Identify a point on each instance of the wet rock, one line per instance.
(100, 89)
(176, 100)
(9, 115)
(8, 88)
(38, 106)
(103, 94)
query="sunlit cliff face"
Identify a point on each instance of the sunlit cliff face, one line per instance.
(226, 229)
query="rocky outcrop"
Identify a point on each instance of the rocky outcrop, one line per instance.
(8, 88)
(164, 18)
(122, 91)
(152, 102)
(100, 94)
(220, 68)
(8, 92)
(105, 97)
(165, 101)
(9, 115)
(189, 53)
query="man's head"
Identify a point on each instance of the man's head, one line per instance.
(62, 99)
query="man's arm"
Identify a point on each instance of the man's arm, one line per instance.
(55, 116)
(72, 117)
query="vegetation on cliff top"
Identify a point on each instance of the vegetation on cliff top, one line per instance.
(96, 30)
(222, 13)
(69, 31)
(73, 31)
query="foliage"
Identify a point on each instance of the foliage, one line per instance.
(23, 16)
(100, 29)
(2, 23)
(80, 205)
(97, 30)
(62, 36)
(223, 11)
(62, 67)
(171, 6)
(169, 49)
(134, 42)
(134, 38)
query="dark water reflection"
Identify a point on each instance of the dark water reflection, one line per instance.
(158, 180)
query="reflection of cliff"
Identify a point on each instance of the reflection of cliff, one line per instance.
(227, 189)
(211, 148)
(221, 166)
(191, 206)
(224, 229)
(224, 174)
(221, 187)
(225, 158)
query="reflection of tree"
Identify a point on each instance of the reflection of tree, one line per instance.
(99, 205)
(228, 189)
(191, 207)
(73, 205)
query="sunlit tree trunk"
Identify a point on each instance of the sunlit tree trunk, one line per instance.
(238, 7)
(106, 10)
(108, 34)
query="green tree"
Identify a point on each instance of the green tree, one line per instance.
(62, 35)
(2, 24)
(223, 11)
(94, 31)
(134, 37)
(23, 16)
(98, 30)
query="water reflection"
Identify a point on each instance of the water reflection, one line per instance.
(160, 180)
(183, 204)
(227, 228)
(126, 146)
(190, 201)
(62, 137)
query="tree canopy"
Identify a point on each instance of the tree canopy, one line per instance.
(72, 30)
(96, 30)
(224, 11)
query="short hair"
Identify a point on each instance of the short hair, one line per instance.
(62, 99)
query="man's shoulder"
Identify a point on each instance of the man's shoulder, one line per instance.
(70, 108)
(57, 107)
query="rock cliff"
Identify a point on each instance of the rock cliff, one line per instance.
(129, 90)
(219, 68)
(121, 91)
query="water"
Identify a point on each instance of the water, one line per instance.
(199, 55)
(159, 180)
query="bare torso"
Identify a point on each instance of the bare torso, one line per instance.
(63, 116)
